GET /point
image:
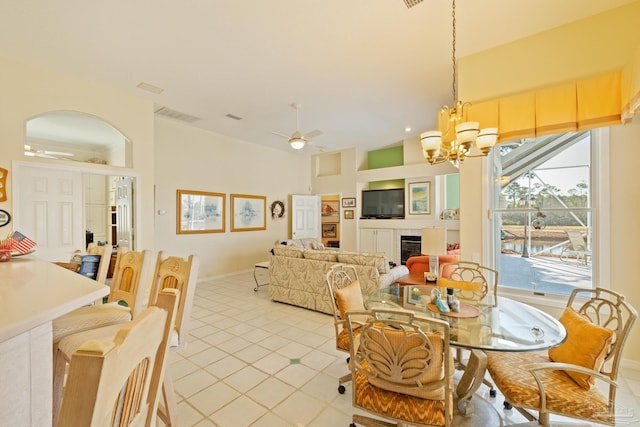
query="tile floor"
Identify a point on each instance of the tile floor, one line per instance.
(253, 362)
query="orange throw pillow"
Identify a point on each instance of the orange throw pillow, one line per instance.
(349, 298)
(586, 345)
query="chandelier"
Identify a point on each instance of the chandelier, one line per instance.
(444, 145)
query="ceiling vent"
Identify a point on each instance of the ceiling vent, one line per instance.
(411, 3)
(183, 117)
(233, 116)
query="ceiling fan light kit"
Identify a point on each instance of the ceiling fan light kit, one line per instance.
(297, 141)
(442, 145)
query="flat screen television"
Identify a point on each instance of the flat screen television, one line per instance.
(383, 204)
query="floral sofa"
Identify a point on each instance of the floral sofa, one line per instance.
(298, 276)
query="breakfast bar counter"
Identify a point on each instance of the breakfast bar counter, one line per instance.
(33, 292)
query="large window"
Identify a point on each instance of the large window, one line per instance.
(542, 213)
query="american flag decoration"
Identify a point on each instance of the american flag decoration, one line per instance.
(21, 243)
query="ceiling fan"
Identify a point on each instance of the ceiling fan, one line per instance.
(297, 140)
(32, 152)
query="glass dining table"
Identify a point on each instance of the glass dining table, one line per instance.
(491, 324)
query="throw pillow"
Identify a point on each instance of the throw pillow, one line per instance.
(291, 252)
(586, 345)
(349, 298)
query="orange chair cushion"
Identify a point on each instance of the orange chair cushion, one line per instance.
(420, 264)
(398, 406)
(586, 345)
(564, 396)
(349, 298)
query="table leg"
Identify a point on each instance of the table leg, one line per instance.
(255, 278)
(471, 379)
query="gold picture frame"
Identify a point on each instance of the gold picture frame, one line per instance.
(200, 212)
(248, 213)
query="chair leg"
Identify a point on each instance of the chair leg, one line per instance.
(167, 408)
(59, 370)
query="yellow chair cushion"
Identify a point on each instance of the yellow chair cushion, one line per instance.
(564, 396)
(349, 298)
(586, 345)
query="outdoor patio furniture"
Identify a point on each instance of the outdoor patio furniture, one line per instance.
(577, 248)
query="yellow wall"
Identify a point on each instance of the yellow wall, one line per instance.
(588, 47)
(28, 91)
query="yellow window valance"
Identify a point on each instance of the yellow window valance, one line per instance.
(631, 87)
(583, 104)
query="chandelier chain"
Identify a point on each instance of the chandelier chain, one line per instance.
(453, 56)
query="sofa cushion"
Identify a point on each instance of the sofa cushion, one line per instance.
(291, 252)
(586, 345)
(329, 256)
(377, 260)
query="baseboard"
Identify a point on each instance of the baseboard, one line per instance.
(630, 364)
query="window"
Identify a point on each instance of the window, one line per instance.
(542, 216)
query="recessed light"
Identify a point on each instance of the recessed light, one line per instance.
(407, 129)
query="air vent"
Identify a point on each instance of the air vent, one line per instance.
(233, 116)
(184, 117)
(150, 88)
(411, 3)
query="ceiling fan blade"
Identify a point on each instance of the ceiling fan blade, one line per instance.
(281, 135)
(313, 134)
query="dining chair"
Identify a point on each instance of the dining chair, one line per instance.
(175, 273)
(345, 294)
(115, 372)
(402, 368)
(420, 263)
(125, 300)
(471, 283)
(597, 322)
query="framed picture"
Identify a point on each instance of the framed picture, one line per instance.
(5, 218)
(330, 211)
(199, 212)
(329, 230)
(248, 213)
(419, 198)
(349, 202)
(348, 214)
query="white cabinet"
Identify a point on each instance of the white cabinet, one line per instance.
(379, 240)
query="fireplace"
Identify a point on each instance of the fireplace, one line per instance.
(409, 246)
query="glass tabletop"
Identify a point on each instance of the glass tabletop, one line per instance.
(501, 325)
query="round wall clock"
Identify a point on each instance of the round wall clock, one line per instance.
(5, 218)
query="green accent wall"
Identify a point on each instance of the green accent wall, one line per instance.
(385, 185)
(453, 191)
(385, 157)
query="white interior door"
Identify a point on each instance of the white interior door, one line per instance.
(124, 212)
(305, 216)
(48, 204)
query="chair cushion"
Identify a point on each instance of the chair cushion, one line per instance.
(89, 317)
(586, 345)
(414, 359)
(349, 298)
(564, 396)
(411, 409)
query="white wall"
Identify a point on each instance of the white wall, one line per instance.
(28, 91)
(188, 158)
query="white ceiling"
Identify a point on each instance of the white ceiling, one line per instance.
(363, 70)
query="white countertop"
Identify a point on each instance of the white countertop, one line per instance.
(34, 291)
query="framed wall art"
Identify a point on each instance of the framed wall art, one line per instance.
(348, 214)
(349, 202)
(330, 211)
(329, 230)
(248, 213)
(419, 198)
(200, 212)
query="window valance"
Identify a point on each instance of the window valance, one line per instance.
(631, 87)
(580, 105)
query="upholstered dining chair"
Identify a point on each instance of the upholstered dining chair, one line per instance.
(420, 263)
(598, 322)
(402, 368)
(345, 294)
(175, 273)
(471, 283)
(116, 371)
